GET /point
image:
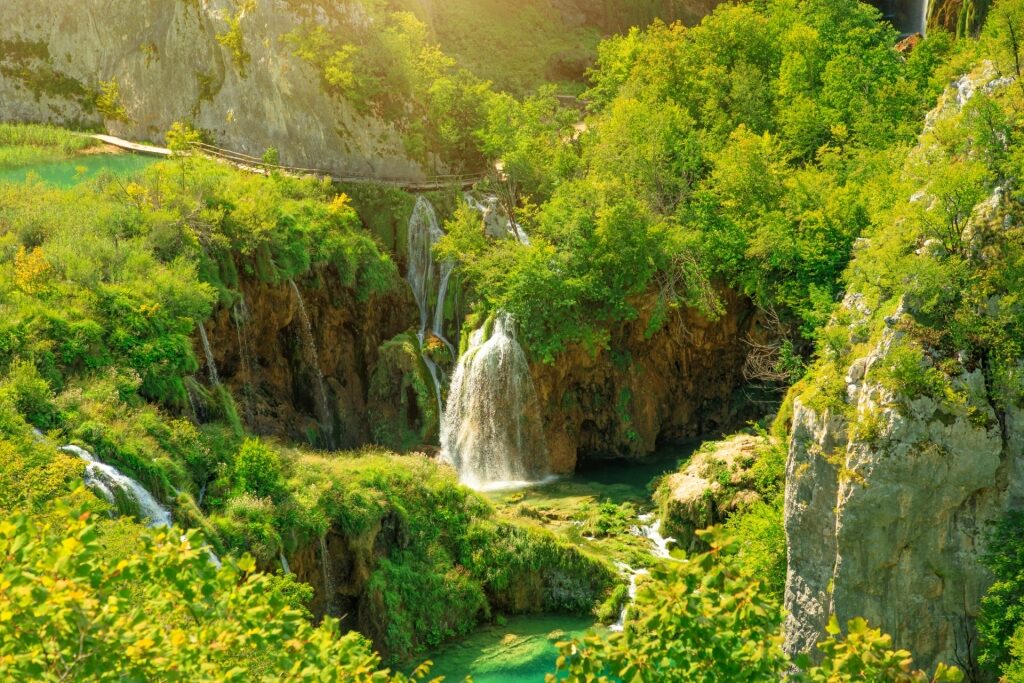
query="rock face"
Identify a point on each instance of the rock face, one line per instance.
(258, 349)
(170, 67)
(681, 383)
(891, 528)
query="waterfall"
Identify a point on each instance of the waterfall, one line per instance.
(496, 224)
(621, 623)
(492, 432)
(313, 359)
(110, 483)
(424, 274)
(651, 529)
(329, 590)
(924, 16)
(211, 366)
(241, 316)
(284, 563)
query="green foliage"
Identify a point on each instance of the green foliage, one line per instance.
(30, 394)
(1002, 608)
(163, 612)
(748, 150)
(109, 103)
(232, 38)
(391, 68)
(258, 469)
(26, 145)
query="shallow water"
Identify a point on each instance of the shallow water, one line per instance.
(71, 172)
(518, 652)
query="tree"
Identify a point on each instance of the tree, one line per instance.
(258, 469)
(1001, 623)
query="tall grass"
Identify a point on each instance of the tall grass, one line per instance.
(29, 144)
(35, 135)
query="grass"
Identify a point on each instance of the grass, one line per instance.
(29, 144)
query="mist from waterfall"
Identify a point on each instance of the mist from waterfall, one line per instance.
(429, 281)
(313, 360)
(110, 484)
(492, 432)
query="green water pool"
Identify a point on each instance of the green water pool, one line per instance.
(520, 651)
(70, 172)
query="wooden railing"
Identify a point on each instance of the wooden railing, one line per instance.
(258, 165)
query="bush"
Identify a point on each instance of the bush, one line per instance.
(258, 470)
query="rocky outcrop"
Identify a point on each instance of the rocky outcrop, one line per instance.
(684, 381)
(715, 483)
(258, 349)
(169, 66)
(889, 524)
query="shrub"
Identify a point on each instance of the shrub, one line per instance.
(258, 469)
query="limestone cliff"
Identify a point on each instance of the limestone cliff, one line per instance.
(683, 382)
(904, 447)
(258, 349)
(169, 66)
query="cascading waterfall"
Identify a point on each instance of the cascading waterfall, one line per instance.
(284, 563)
(328, 578)
(428, 279)
(241, 317)
(313, 359)
(650, 528)
(211, 365)
(111, 484)
(492, 432)
(621, 623)
(923, 16)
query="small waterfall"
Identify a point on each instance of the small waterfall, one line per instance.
(110, 483)
(651, 529)
(492, 432)
(496, 224)
(423, 273)
(925, 4)
(211, 366)
(241, 317)
(192, 402)
(329, 589)
(633, 574)
(284, 563)
(313, 359)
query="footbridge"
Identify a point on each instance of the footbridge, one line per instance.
(253, 164)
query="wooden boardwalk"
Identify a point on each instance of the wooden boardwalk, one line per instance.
(253, 164)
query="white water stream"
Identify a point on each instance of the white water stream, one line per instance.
(108, 481)
(428, 280)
